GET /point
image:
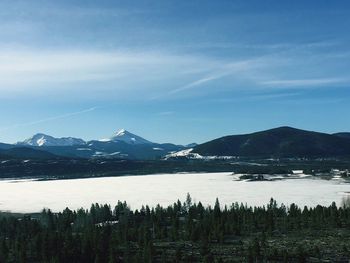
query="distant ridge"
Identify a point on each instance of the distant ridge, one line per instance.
(5, 146)
(41, 139)
(26, 153)
(279, 142)
(121, 145)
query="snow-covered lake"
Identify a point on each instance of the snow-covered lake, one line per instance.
(165, 189)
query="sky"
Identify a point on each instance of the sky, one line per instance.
(172, 71)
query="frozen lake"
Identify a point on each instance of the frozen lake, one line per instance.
(165, 189)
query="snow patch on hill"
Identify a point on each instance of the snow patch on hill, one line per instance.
(191, 155)
(184, 153)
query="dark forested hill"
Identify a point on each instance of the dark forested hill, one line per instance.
(26, 153)
(343, 134)
(278, 142)
(5, 146)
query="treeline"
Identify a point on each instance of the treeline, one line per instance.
(82, 168)
(182, 232)
(85, 168)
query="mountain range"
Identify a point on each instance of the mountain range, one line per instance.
(122, 144)
(41, 139)
(278, 142)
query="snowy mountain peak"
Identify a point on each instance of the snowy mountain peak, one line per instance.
(121, 132)
(127, 137)
(41, 139)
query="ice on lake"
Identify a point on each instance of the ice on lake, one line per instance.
(164, 189)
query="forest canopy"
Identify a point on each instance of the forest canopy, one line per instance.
(182, 232)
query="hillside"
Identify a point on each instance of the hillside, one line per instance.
(5, 146)
(343, 134)
(278, 142)
(25, 153)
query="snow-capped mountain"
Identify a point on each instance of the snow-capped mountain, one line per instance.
(127, 137)
(122, 145)
(278, 142)
(41, 139)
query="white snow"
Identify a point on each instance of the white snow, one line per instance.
(106, 223)
(184, 153)
(120, 132)
(158, 149)
(165, 189)
(127, 137)
(41, 139)
(84, 149)
(115, 153)
(191, 155)
(103, 140)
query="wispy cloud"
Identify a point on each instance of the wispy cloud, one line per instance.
(255, 97)
(200, 82)
(152, 74)
(165, 113)
(263, 97)
(32, 70)
(279, 46)
(304, 82)
(262, 67)
(224, 71)
(311, 101)
(57, 117)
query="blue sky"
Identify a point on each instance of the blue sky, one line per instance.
(172, 71)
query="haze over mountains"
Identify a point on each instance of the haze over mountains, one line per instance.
(278, 142)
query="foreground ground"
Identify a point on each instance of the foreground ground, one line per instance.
(183, 232)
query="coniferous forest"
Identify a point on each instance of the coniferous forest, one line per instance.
(182, 232)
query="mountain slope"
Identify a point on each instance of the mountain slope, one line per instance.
(121, 149)
(26, 153)
(278, 142)
(6, 146)
(343, 134)
(41, 139)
